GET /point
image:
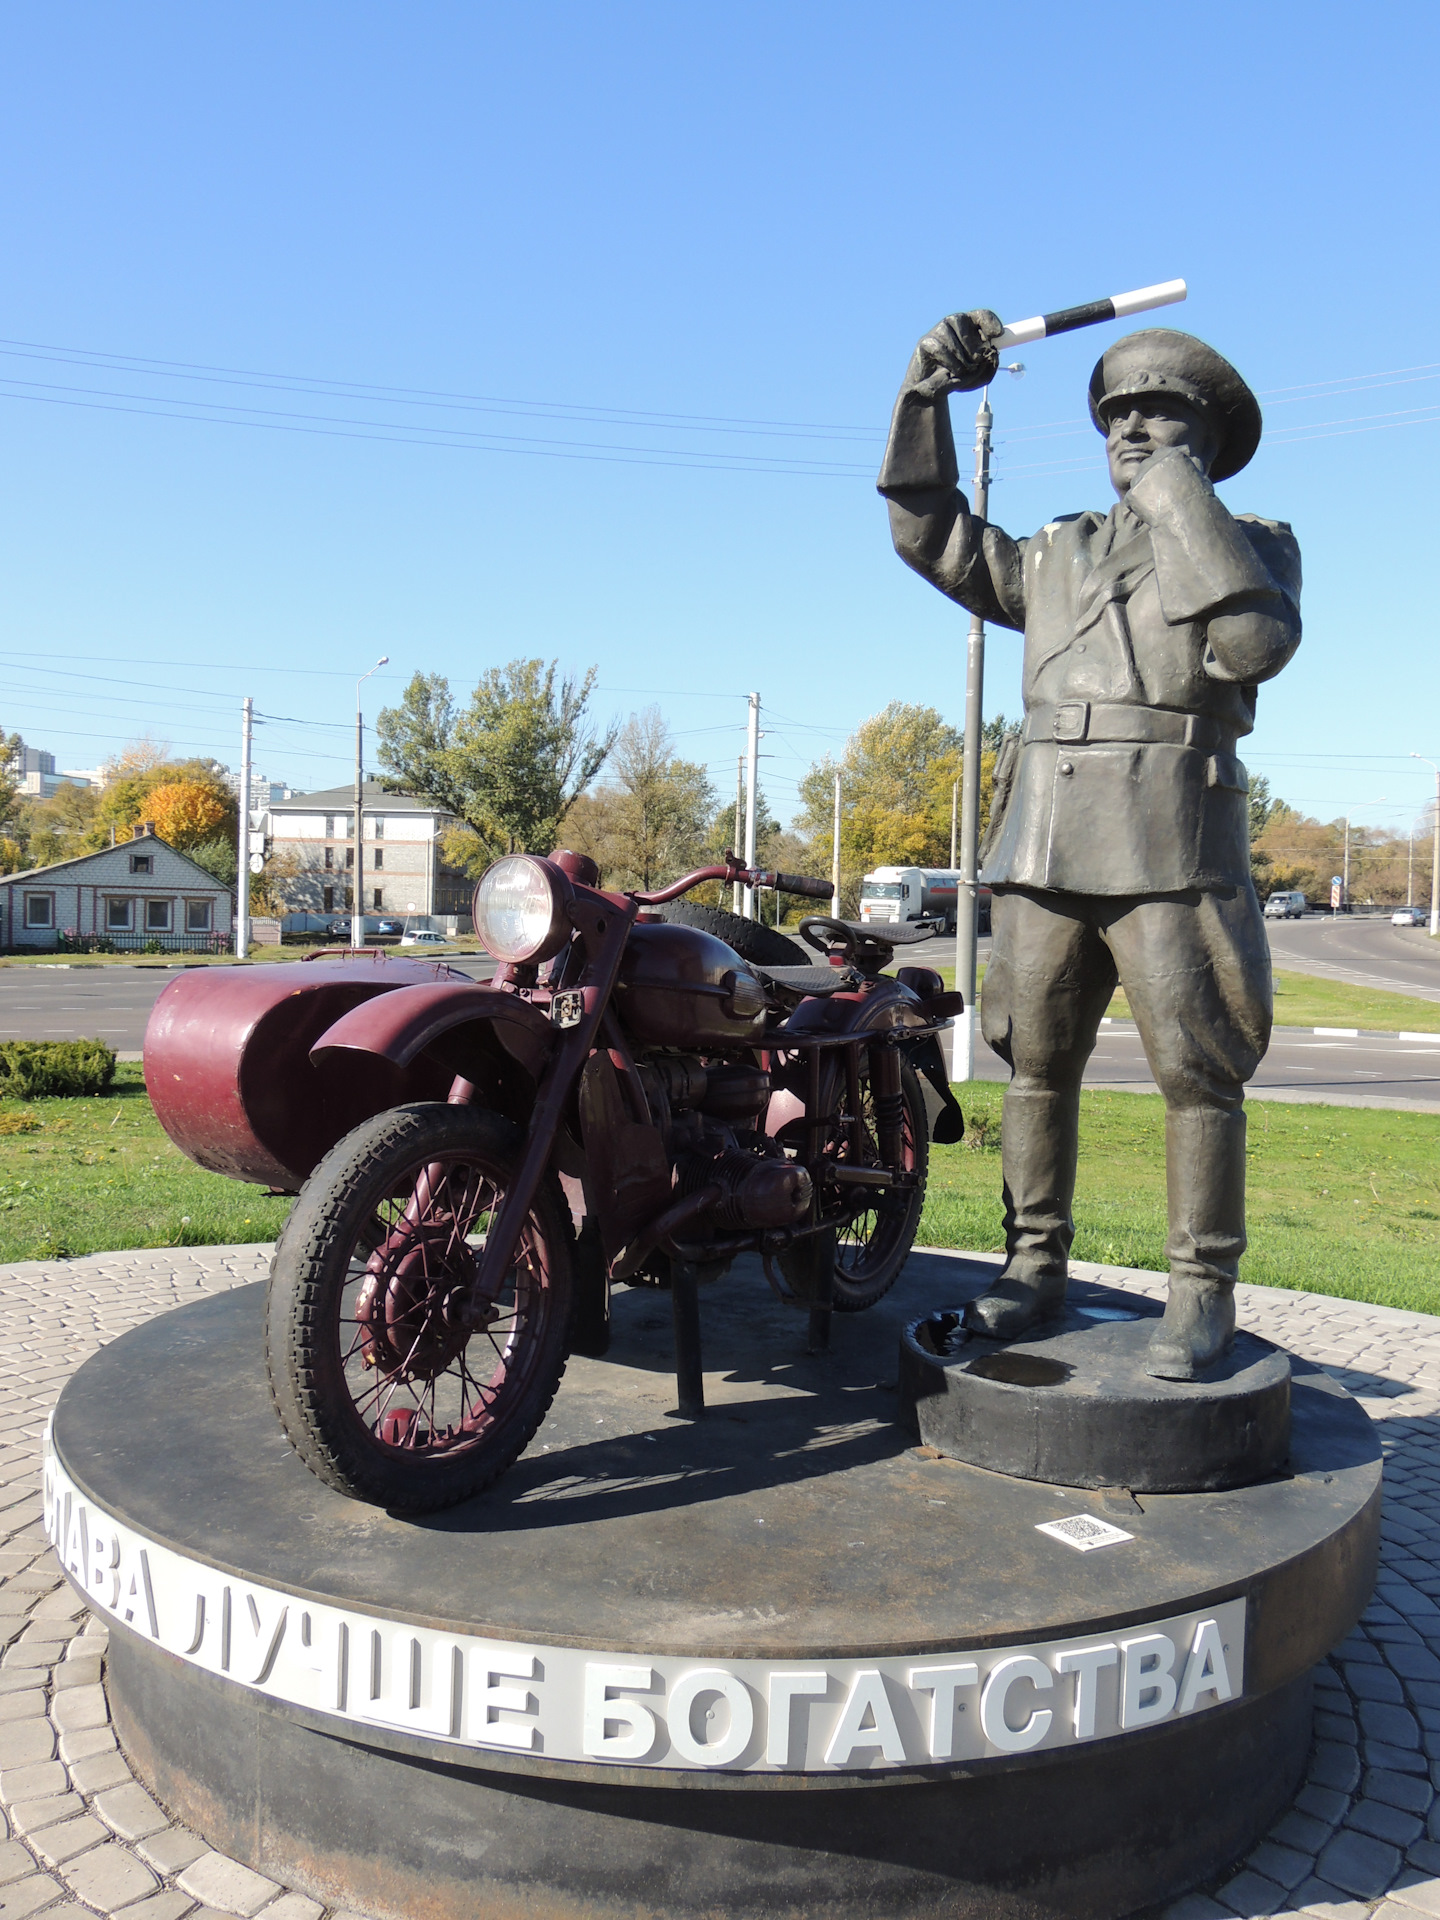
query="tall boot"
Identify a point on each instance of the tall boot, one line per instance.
(1205, 1177)
(1038, 1143)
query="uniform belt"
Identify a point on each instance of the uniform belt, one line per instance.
(1078, 722)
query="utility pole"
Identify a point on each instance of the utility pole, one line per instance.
(1410, 868)
(1434, 849)
(735, 842)
(751, 790)
(835, 856)
(357, 890)
(954, 802)
(242, 889)
(967, 896)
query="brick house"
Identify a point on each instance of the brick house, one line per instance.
(400, 857)
(137, 893)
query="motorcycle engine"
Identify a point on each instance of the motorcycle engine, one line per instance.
(710, 1116)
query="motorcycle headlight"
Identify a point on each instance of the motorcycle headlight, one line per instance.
(519, 910)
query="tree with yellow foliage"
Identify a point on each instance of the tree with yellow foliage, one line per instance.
(187, 813)
(187, 799)
(897, 774)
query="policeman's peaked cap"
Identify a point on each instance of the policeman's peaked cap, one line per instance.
(1160, 361)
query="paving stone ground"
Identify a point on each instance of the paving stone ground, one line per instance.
(81, 1836)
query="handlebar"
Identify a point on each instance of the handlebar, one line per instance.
(796, 883)
(733, 872)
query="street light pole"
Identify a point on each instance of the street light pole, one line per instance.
(752, 772)
(967, 898)
(835, 855)
(357, 893)
(1434, 849)
(242, 890)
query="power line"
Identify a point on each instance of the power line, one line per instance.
(640, 457)
(543, 409)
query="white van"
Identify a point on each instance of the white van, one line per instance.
(1285, 906)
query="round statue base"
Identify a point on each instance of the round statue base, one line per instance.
(1071, 1402)
(776, 1662)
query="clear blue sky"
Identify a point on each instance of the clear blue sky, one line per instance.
(629, 234)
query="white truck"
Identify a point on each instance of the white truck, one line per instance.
(923, 896)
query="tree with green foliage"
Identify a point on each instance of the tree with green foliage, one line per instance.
(509, 766)
(649, 823)
(58, 828)
(896, 777)
(1263, 809)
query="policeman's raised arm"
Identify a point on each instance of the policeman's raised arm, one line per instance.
(930, 520)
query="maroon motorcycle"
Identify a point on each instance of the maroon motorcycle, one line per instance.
(628, 1100)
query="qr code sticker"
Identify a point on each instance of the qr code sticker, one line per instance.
(1084, 1533)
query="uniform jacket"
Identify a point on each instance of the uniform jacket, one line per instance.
(1147, 630)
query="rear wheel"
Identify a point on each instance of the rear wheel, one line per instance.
(396, 1381)
(874, 1245)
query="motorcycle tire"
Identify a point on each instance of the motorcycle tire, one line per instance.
(393, 1381)
(765, 946)
(872, 1248)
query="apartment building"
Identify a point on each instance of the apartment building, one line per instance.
(401, 870)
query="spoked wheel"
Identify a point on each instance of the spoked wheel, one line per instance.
(397, 1380)
(872, 1247)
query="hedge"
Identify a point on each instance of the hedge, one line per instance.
(33, 1069)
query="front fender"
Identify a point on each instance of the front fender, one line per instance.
(399, 1026)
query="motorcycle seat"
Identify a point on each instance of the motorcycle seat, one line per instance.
(810, 980)
(892, 934)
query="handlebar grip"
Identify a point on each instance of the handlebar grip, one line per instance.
(802, 883)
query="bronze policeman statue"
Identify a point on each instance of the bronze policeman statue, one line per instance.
(1121, 849)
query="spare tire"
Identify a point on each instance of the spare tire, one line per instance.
(764, 946)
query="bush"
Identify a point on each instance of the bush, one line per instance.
(35, 1069)
(72, 942)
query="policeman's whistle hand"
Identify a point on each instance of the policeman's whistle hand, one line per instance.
(957, 356)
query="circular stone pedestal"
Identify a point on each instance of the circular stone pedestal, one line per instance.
(774, 1663)
(1071, 1402)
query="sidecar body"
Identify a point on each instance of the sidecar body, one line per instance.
(228, 1063)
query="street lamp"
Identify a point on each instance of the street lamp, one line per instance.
(1434, 850)
(357, 896)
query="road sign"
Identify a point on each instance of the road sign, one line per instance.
(1337, 895)
(257, 863)
(1337, 880)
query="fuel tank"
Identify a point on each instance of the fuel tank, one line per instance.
(229, 1073)
(679, 987)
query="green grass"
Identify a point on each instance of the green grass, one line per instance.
(1341, 1200)
(96, 1174)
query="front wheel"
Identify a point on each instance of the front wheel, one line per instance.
(395, 1379)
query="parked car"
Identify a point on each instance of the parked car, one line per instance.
(1285, 906)
(424, 937)
(389, 926)
(1409, 917)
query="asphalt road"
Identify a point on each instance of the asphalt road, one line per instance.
(113, 1004)
(1365, 1072)
(53, 1002)
(1365, 953)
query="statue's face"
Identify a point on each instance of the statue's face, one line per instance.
(1141, 426)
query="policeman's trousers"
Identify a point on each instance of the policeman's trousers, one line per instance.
(1196, 970)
